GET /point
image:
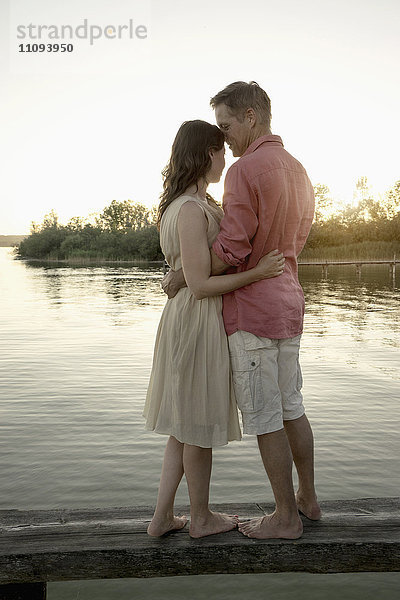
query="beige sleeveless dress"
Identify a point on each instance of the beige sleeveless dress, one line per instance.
(190, 394)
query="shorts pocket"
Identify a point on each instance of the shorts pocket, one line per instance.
(246, 374)
(299, 383)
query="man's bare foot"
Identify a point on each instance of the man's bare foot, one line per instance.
(310, 509)
(211, 524)
(160, 527)
(271, 527)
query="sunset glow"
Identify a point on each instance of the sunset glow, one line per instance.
(86, 127)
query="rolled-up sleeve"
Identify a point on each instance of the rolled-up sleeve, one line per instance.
(239, 224)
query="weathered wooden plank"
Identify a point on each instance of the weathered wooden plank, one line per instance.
(62, 515)
(24, 591)
(21, 517)
(354, 535)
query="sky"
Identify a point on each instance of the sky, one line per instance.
(82, 128)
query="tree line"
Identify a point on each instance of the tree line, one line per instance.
(127, 230)
(123, 231)
(366, 220)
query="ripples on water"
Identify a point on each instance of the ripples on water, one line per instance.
(76, 354)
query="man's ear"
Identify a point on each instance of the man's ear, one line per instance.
(251, 116)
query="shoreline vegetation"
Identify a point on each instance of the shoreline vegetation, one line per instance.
(126, 232)
(99, 260)
(363, 251)
(360, 251)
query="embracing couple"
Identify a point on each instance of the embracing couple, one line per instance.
(215, 353)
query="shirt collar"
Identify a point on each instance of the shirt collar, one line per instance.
(275, 139)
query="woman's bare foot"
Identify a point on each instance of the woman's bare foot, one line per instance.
(271, 527)
(309, 508)
(160, 527)
(211, 524)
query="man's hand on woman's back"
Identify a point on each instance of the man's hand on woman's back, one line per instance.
(172, 282)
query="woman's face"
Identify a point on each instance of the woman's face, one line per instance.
(217, 165)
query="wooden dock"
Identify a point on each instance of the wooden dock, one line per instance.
(357, 263)
(38, 546)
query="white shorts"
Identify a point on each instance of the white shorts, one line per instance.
(267, 381)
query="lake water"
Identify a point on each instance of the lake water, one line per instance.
(76, 350)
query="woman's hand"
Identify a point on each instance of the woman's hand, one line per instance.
(270, 265)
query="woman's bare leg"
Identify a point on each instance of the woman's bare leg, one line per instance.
(171, 475)
(197, 466)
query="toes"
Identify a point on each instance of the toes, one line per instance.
(181, 522)
(244, 523)
(246, 532)
(230, 520)
(250, 527)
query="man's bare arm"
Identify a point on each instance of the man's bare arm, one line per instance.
(217, 265)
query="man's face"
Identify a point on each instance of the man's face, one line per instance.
(237, 134)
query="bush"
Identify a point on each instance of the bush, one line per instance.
(43, 244)
(92, 242)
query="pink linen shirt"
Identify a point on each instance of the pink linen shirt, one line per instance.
(269, 204)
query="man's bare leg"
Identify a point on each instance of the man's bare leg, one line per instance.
(301, 441)
(197, 465)
(285, 521)
(171, 475)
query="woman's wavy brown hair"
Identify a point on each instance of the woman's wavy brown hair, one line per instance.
(190, 160)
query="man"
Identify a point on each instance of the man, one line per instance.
(268, 203)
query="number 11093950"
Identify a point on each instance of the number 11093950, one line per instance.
(46, 47)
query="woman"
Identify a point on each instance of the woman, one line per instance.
(189, 396)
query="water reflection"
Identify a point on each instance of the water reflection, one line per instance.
(53, 284)
(115, 291)
(356, 304)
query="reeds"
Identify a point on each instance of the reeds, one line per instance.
(359, 251)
